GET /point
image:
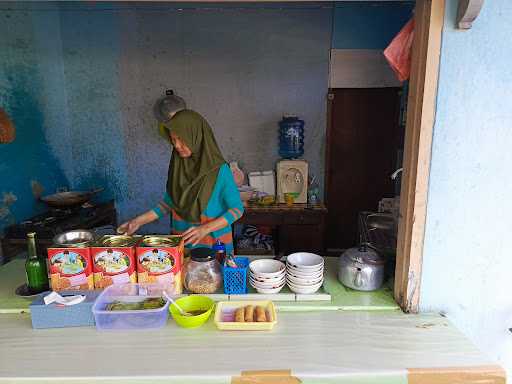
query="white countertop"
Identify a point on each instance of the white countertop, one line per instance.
(318, 347)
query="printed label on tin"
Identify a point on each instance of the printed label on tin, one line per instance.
(78, 279)
(156, 261)
(121, 278)
(112, 261)
(68, 263)
(165, 279)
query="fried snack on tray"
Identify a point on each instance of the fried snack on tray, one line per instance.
(260, 314)
(249, 314)
(240, 315)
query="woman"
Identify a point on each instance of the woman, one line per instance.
(202, 196)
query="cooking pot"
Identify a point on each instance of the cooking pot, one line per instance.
(361, 268)
(167, 105)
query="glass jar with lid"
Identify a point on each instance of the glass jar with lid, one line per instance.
(202, 272)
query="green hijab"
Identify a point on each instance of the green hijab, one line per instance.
(191, 180)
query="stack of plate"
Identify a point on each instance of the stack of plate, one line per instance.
(304, 272)
(267, 275)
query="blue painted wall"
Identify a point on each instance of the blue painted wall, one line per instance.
(92, 72)
(467, 256)
(241, 66)
(368, 25)
(28, 160)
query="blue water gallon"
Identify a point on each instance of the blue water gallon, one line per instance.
(291, 137)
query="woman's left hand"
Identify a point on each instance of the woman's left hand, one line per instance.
(194, 235)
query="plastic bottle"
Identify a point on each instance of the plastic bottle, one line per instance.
(291, 137)
(220, 251)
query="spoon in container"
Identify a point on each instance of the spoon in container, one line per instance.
(182, 312)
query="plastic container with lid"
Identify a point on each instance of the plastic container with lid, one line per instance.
(263, 182)
(132, 319)
(202, 272)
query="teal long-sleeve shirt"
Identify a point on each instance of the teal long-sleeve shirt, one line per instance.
(224, 202)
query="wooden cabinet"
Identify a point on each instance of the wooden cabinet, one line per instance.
(296, 238)
(363, 139)
(297, 228)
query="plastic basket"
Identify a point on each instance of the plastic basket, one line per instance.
(235, 279)
(141, 319)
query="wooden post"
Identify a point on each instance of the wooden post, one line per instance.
(429, 18)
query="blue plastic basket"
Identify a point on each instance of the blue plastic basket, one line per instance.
(235, 279)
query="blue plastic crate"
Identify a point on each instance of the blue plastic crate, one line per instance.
(235, 279)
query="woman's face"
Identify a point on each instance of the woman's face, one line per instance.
(180, 147)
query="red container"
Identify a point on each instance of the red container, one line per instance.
(70, 268)
(114, 260)
(160, 261)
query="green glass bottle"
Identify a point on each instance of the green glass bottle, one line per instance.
(37, 275)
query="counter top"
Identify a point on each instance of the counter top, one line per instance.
(318, 347)
(12, 275)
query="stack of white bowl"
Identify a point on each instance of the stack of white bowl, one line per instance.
(304, 272)
(267, 275)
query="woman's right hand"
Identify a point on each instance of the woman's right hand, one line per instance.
(129, 228)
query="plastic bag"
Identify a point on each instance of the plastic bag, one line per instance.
(398, 53)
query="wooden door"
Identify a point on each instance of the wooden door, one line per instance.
(362, 143)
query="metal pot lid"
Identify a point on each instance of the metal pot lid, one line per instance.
(363, 255)
(167, 105)
(118, 241)
(160, 241)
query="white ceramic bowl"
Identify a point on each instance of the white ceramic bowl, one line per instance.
(267, 267)
(303, 273)
(256, 284)
(269, 291)
(305, 260)
(260, 279)
(306, 290)
(305, 282)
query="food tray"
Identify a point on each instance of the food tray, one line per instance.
(231, 306)
(136, 319)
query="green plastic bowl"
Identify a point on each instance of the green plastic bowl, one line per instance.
(192, 303)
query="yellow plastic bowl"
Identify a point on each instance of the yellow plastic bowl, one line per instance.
(192, 303)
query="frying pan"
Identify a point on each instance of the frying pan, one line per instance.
(69, 199)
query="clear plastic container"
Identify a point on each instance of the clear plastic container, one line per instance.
(202, 273)
(135, 319)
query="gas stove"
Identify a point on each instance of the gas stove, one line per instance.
(55, 221)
